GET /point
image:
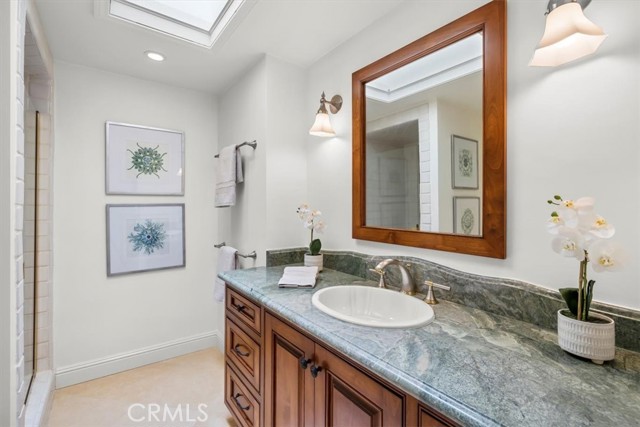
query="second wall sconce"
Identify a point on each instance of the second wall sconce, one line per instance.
(322, 125)
(568, 34)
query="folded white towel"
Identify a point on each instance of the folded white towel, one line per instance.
(227, 260)
(298, 277)
(228, 173)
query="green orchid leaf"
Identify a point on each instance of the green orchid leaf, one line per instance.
(570, 296)
(588, 298)
(315, 247)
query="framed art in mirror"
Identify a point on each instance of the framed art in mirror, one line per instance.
(464, 162)
(410, 160)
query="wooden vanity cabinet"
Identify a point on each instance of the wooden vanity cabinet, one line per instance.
(278, 376)
(307, 385)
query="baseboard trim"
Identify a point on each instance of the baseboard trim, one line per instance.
(81, 372)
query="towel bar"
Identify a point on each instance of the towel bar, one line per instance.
(252, 254)
(253, 144)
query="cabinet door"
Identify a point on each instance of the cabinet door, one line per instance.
(288, 396)
(346, 396)
(426, 418)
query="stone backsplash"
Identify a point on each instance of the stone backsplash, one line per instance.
(506, 297)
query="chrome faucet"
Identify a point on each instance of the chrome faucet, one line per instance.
(408, 284)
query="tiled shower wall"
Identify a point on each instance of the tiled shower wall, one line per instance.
(24, 251)
(38, 86)
(41, 328)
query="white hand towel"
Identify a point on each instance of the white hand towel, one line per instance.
(228, 173)
(298, 277)
(227, 260)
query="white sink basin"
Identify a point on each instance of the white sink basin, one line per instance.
(370, 306)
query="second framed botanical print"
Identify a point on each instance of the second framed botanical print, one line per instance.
(144, 237)
(466, 216)
(144, 161)
(464, 162)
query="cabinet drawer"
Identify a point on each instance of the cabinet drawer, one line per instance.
(243, 352)
(246, 311)
(240, 401)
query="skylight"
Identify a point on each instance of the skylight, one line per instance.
(197, 21)
(456, 60)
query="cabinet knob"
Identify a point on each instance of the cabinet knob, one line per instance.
(237, 350)
(239, 307)
(240, 405)
(314, 370)
(304, 363)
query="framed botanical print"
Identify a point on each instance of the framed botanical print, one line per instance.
(143, 160)
(466, 216)
(144, 237)
(464, 162)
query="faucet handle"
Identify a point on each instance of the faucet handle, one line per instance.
(381, 272)
(431, 297)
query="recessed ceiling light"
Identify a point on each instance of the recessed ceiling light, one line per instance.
(154, 55)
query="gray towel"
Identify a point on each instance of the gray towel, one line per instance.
(228, 174)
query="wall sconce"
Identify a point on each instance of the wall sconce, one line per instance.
(322, 125)
(568, 34)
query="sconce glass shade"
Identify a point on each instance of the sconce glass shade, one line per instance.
(568, 35)
(322, 126)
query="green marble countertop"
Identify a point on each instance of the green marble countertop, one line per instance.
(476, 367)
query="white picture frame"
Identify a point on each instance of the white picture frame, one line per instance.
(144, 237)
(466, 216)
(142, 160)
(464, 162)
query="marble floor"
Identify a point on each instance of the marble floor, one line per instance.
(187, 391)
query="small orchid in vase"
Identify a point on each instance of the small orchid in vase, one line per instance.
(311, 221)
(584, 235)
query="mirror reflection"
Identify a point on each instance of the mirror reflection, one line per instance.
(424, 128)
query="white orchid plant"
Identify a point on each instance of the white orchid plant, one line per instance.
(584, 235)
(310, 219)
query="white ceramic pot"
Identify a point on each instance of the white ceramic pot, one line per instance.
(595, 341)
(313, 261)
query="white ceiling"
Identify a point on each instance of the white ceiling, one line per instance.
(296, 31)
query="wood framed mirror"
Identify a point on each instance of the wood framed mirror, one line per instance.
(429, 140)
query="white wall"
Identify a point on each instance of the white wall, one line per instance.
(287, 125)
(454, 120)
(572, 130)
(102, 324)
(243, 117)
(267, 105)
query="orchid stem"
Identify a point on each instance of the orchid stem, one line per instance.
(582, 289)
